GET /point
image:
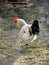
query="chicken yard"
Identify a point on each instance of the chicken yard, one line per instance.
(13, 51)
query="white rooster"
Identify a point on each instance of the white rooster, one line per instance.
(28, 31)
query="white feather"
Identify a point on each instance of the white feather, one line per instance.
(22, 21)
(34, 38)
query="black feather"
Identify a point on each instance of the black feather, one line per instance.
(35, 27)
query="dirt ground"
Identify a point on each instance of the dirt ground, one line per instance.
(13, 52)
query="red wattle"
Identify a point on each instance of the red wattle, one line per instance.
(15, 20)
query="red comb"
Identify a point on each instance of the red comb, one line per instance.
(15, 19)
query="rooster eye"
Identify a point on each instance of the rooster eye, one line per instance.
(24, 31)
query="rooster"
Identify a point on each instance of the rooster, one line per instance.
(28, 31)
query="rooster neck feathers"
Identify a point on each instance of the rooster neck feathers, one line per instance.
(22, 21)
(16, 19)
(19, 23)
